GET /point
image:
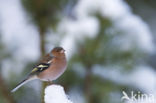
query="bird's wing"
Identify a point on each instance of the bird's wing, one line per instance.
(43, 65)
(46, 59)
(40, 67)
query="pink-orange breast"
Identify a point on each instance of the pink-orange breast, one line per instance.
(55, 70)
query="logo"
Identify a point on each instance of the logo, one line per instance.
(138, 97)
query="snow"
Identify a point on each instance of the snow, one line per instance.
(118, 11)
(19, 36)
(18, 30)
(142, 77)
(17, 33)
(56, 94)
(76, 30)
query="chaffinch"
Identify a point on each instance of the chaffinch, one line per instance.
(51, 66)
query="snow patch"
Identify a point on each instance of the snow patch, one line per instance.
(56, 94)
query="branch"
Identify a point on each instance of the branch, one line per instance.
(5, 91)
(42, 50)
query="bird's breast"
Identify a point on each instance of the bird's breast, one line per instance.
(55, 70)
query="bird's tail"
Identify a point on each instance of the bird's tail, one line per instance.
(23, 82)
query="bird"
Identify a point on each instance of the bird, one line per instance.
(50, 67)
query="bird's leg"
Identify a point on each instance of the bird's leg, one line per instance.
(50, 82)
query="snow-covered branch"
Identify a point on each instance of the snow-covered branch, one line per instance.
(55, 94)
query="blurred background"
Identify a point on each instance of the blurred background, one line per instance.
(110, 47)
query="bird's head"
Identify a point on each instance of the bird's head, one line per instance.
(58, 51)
